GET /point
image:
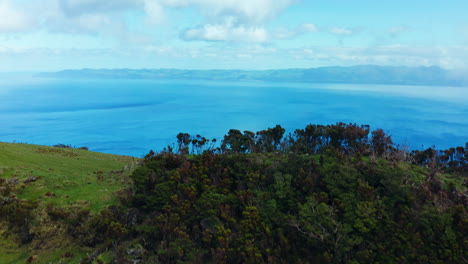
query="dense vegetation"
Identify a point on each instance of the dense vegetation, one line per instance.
(323, 194)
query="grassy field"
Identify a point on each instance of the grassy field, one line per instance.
(61, 177)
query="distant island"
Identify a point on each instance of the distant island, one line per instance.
(363, 74)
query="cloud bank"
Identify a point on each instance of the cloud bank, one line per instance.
(12, 19)
(159, 33)
(244, 11)
(226, 32)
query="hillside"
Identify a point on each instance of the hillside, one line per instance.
(363, 74)
(324, 194)
(45, 176)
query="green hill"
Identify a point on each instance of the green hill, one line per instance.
(323, 194)
(62, 177)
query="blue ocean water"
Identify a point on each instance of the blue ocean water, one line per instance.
(130, 117)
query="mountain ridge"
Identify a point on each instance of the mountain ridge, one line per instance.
(360, 74)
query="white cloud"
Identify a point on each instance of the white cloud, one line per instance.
(12, 50)
(93, 22)
(154, 11)
(105, 21)
(449, 57)
(80, 7)
(286, 33)
(82, 24)
(226, 32)
(309, 28)
(227, 20)
(341, 31)
(397, 30)
(232, 57)
(12, 19)
(224, 20)
(246, 11)
(244, 56)
(231, 21)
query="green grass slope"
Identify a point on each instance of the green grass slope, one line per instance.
(63, 178)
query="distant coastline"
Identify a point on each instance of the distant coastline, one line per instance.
(364, 74)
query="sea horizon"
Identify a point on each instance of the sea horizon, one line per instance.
(133, 116)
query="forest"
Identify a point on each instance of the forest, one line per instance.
(337, 193)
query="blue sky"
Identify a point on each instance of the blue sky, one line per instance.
(49, 35)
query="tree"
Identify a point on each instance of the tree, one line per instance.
(381, 143)
(269, 140)
(183, 140)
(319, 222)
(233, 141)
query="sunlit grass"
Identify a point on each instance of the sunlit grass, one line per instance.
(61, 177)
(65, 176)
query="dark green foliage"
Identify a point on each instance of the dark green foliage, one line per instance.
(292, 208)
(269, 140)
(15, 213)
(69, 147)
(452, 160)
(324, 194)
(107, 227)
(237, 142)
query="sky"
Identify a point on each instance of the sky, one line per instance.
(51, 35)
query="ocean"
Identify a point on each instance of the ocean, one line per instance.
(131, 117)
